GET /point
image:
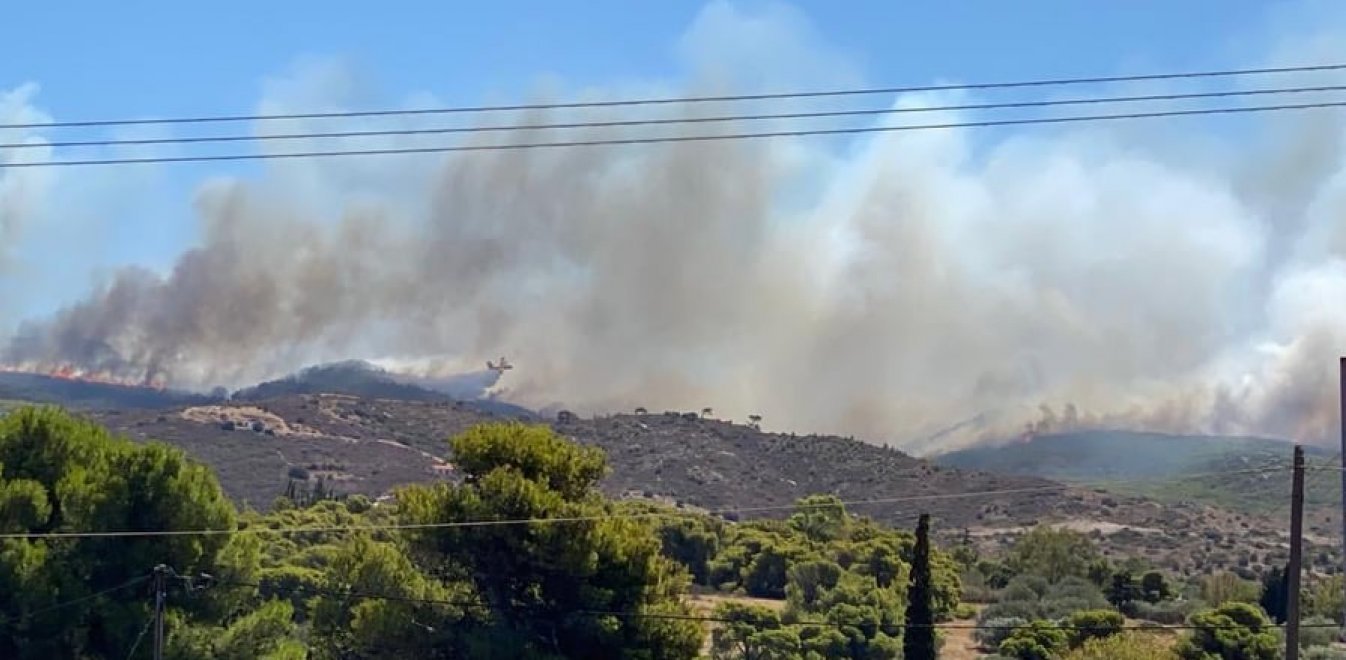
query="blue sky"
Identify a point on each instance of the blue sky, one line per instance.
(97, 59)
(147, 59)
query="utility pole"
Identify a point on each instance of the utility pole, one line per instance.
(160, 594)
(1342, 391)
(1296, 557)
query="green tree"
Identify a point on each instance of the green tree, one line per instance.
(752, 632)
(918, 643)
(62, 474)
(1086, 625)
(1123, 589)
(1275, 594)
(267, 632)
(864, 618)
(1323, 597)
(692, 542)
(1233, 631)
(1100, 572)
(416, 617)
(535, 577)
(1052, 553)
(1154, 587)
(1225, 587)
(996, 574)
(820, 518)
(1039, 640)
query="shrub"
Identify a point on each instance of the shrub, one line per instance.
(1126, 646)
(1039, 640)
(1317, 631)
(996, 574)
(1015, 609)
(1222, 588)
(1323, 653)
(976, 589)
(964, 611)
(1093, 624)
(1171, 612)
(994, 631)
(1237, 631)
(1025, 587)
(1056, 609)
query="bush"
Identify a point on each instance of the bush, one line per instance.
(964, 611)
(1323, 653)
(976, 588)
(1173, 612)
(1222, 588)
(1093, 624)
(1056, 609)
(1234, 630)
(994, 631)
(1317, 631)
(1015, 609)
(1025, 587)
(1039, 640)
(996, 574)
(1126, 646)
(1073, 587)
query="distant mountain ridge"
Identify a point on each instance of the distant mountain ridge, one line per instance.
(1223, 471)
(351, 377)
(366, 380)
(1105, 455)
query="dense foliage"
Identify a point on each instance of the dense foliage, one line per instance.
(446, 581)
(1236, 631)
(467, 570)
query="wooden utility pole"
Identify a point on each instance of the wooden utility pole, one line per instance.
(1296, 557)
(160, 594)
(1342, 513)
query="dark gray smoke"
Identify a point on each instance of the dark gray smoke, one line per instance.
(916, 288)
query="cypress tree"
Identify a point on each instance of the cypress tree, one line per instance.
(918, 642)
(1275, 594)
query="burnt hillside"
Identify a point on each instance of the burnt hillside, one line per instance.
(373, 445)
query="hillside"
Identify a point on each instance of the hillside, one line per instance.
(373, 445)
(1169, 468)
(86, 395)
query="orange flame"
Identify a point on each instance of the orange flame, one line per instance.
(71, 372)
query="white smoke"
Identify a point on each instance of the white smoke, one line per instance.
(924, 288)
(22, 190)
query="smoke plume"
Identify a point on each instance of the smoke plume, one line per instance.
(925, 289)
(21, 190)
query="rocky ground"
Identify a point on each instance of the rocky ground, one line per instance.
(371, 446)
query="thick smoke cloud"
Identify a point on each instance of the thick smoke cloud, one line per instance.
(21, 190)
(926, 289)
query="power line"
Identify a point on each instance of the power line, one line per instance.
(139, 637)
(1051, 82)
(476, 604)
(76, 601)
(596, 518)
(679, 138)
(515, 521)
(866, 112)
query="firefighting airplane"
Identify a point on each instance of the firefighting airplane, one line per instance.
(499, 367)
